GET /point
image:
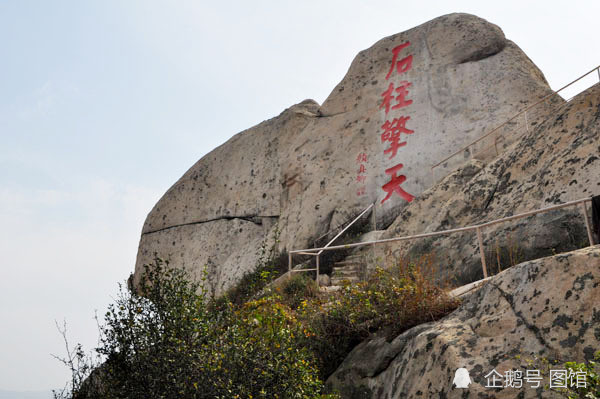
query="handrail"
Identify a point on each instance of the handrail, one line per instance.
(477, 227)
(318, 251)
(317, 254)
(347, 227)
(524, 111)
(338, 226)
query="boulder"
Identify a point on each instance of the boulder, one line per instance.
(534, 316)
(411, 99)
(222, 215)
(324, 280)
(554, 163)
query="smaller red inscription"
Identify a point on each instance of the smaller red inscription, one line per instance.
(404, 64)
(394, 184)
(361, 178)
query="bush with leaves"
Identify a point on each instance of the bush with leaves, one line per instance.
(298, 289)
(262, 356)
(590, 389)
(390, 302)
(166, 341)
(270, 266)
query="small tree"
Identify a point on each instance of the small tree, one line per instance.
(166, 341)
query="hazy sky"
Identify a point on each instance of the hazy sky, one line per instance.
(105, 104)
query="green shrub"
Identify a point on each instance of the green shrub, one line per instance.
(270, 266)
(171, 343)
(298, 289)
(591, 369)
(167, 341)
(589, 385)
(390, 302)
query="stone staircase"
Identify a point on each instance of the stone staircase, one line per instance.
(349, 270)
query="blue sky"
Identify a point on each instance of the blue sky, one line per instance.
(105, 104)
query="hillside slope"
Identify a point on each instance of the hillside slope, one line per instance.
(543, 309)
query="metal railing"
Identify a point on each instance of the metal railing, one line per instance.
(478, 228)
(518, 114)
(318, 251)
(341, 226)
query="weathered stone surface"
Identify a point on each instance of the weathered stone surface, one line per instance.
(548, 308)
(299, 169)
(324, 280)
(218, 215)
(460, 88)
(555, 163)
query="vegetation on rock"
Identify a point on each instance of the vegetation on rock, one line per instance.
(169, 339)
(591, 388)
(392, 300)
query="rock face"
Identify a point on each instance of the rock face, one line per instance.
(297, 176)
(227, 205)
(548, 308)
(554, 163)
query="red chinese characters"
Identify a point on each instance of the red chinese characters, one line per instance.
(391, 133)
(393, 186)
(401, 100)
(394, 98)
(361, 178)
(404, 64)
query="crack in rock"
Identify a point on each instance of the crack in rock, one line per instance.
(534, 329)
(248, 218)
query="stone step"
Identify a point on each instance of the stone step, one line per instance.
(344, 273)
(340, 281)
(358, 257)
(346, 269)
(331, 288)
(344, 276)
(348, 263)
(351, 265)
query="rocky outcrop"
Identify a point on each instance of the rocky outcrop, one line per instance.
(428, 91)
(225, 209)
(524, 318)
(554, 163)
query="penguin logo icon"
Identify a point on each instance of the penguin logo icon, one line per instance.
(462, 378)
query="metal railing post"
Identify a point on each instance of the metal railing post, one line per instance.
(290, 264)
(481, 252)
(587, 223)
(374, 217)
(318, 271)
(478, 228)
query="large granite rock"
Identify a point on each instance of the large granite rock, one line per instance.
(554, 163)
(223, 212)
(296, 175)
(543, 309)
